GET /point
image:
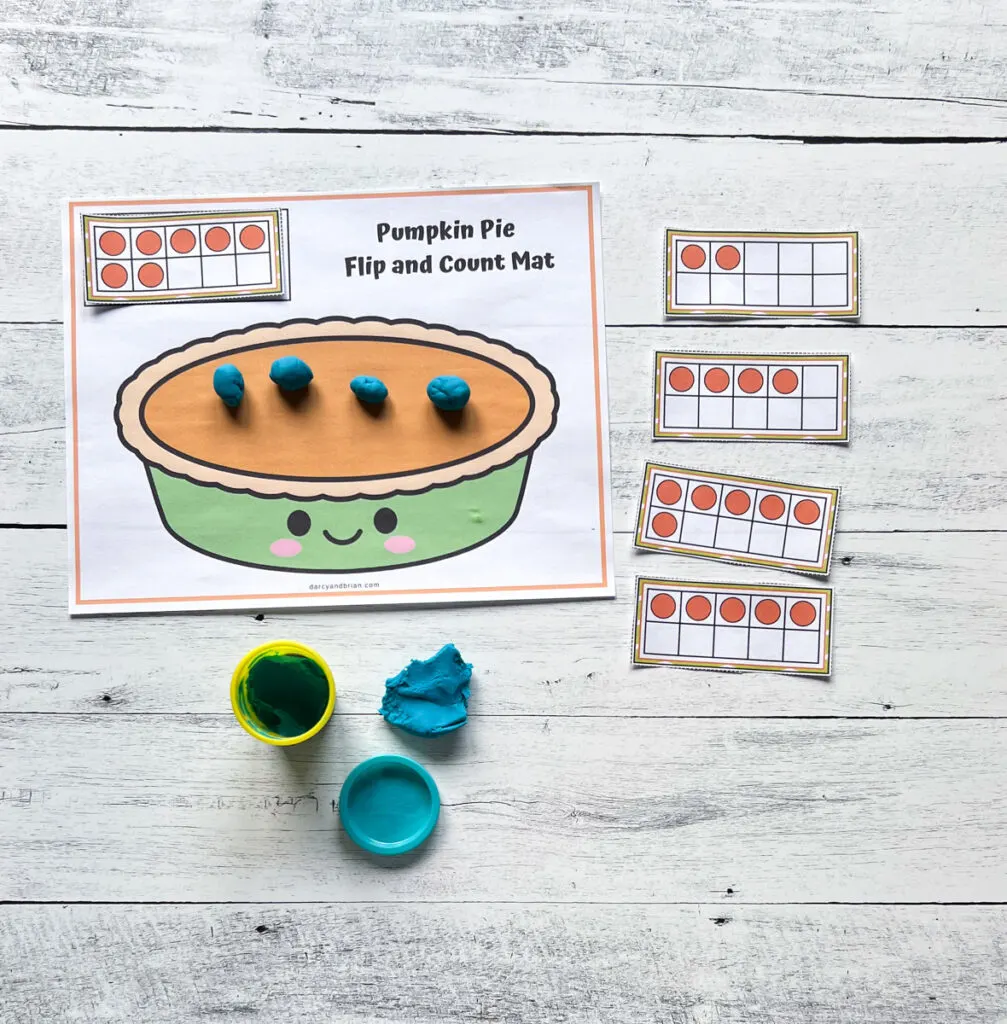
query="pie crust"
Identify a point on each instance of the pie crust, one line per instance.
(324, 444)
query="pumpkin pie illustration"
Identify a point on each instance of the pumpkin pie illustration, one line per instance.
(317, 480)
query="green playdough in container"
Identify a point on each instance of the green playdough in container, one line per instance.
(288, 693)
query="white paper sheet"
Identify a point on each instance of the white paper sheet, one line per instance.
(515, 273)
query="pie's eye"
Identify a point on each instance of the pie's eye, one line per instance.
(298, 523)
(385, 520)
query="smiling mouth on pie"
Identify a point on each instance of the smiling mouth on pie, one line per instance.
(343, 540)
(327, 484)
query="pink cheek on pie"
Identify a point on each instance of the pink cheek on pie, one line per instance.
(400, 545)
(285, 548)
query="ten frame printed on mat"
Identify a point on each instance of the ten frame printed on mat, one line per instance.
(751, 397)
(762, 273)
(748, 520)
(185, 257)
(735, 627)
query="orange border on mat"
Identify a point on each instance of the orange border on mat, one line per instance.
(603, 532)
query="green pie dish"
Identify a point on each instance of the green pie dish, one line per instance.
(320, 482)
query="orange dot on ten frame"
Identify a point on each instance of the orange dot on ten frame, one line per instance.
(704, 497)
(668, 492)
(681, 378)
(732, 610)
(150, 275)
(728, 257)
(807, 512)
(664, 524)
(112, 243)
(217, 239)
(785, 381)
(750, 381)
(767, 612)
(803, 613)
(114, 275)
(252, 236)
(148, 242)
(693, 257)
(663, 606)
(716, 380)
(183, 240)
(698, 608)
(772, 506)
(737, 503)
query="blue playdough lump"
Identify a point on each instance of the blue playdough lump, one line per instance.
(229, 384)
(448, 393)
(369, 390)
(429, 698)
(290, 373)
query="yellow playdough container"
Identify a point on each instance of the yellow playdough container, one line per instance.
(282, 693)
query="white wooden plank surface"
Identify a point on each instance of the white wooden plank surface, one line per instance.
(123, 776)
(919, 632)
(926, 412)
(716, 963)
(556, 809)
(924, 212)
(837, 67)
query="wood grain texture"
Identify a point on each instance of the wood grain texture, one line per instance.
(718, 963)
(595, 861)
(557, 809)
(919, 632)
(841, 67)
(917, 208)
(925, 451)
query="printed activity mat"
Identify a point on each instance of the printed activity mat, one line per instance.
(761, 273)
(398, 392)
(732, 626)
(737, 518)
(757, 397)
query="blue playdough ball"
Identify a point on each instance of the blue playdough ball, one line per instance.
(369, 389)
(448, 393)
(429, 698)
(229, 384)
(290, 373)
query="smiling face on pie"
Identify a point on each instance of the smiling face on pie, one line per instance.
(318, 481)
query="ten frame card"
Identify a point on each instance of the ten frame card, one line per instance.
(755, 397)
(732, 626)
(762, 273)
(185, 257)
(737, 519)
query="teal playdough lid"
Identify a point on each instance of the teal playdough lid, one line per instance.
(389, 804)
